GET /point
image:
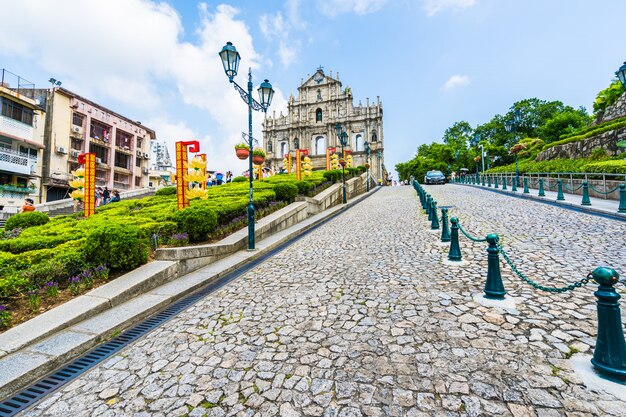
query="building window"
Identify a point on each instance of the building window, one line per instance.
(374, 136)
(123, 139)
(137, 181)
(284, 148)
(318, 115)
(138, 162)
(101, 152)
(296, 143)
(122, 160)
(358, 142)
(100, 131)
(77, 119)
(319, 94)
(320, 145)
(76, 144)
(269, 146)
(17, 112)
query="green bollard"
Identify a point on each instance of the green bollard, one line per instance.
(494, 288)
(504, 183)
(609, 356)
(622, 199)
(434, 225)
(489, 181)
(526, 191)
(495, 181)
(483, 180)
(514, 185)
(429, 208)
(445, 232)
(559, 191)
(542, 192)
(586, 201)
(454, 254)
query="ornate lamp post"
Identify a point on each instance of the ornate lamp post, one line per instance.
(511, 126)
(621, 74)
(368, 151)
(230, 59)
(343, 139)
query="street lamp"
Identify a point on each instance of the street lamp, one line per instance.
(511, 126)
(482, 156)
(621, 74)
(368, 150)
(343, 139)
(230, 60)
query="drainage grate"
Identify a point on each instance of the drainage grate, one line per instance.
(32, 394)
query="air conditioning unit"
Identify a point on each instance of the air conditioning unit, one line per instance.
(61, 150)
(146, 171)
(98, 160)
(74, 154)
(146, 155)
(139, 154)
(76, 129)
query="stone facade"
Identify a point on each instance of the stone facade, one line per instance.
(616, 110)
(310, 124)
(584, 148)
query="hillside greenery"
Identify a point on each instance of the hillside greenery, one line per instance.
(540, 125)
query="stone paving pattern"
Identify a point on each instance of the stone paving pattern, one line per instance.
(362, 318)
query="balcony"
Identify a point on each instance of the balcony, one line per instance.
(12, 191)
(16, 162)
(16, 129)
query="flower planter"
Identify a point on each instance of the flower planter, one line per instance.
(258, 160)
(242, 153)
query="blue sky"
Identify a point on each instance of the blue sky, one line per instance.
(432, 62)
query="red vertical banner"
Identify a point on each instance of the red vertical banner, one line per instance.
(298, 169)
(181, 170)
(89, 189)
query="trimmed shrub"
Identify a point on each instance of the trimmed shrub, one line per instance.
(197, 221)
(286, 192)
(166, 191)
(305, 188)
(240, 179)
(25, 220)
(117, 246)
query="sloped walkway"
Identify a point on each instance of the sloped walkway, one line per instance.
(362, 318)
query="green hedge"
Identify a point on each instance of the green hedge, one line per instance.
(166, 191)
(589, 132)
(25, 220)
(566, 165)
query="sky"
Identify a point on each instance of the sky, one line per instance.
(432, 62)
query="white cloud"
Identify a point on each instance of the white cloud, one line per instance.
(276, 27)
(456, 81)
(129, 54)
(333, 8)
(432, 7)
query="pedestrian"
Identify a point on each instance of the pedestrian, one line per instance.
(98, 196)
(29, 205)
(229, 176)
(219, 177)
(105, 195)
(116, 196)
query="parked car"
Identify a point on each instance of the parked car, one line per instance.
(434, 177)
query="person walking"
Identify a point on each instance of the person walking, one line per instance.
(116, 196)
(106, 195)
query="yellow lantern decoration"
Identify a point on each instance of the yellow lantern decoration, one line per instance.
(349, 161)
(306, 166)
(80, 173)
(77, 183)
(77, 194)
(196, 176)
(196, 192)
(197, 163)
(334, 161)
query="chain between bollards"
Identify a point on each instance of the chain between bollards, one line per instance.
(473, 239)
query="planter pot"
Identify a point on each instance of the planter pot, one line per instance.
(258, 160)
(242, 153)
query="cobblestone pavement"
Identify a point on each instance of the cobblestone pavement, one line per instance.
(362, 318)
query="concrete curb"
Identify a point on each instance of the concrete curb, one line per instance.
(564, 204)
(38, 347)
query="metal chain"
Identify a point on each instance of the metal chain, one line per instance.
(572, 190)
(602, 192)
(473, 239)
(540, 287)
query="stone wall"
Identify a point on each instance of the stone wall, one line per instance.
(584, 148)
(617, 109)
